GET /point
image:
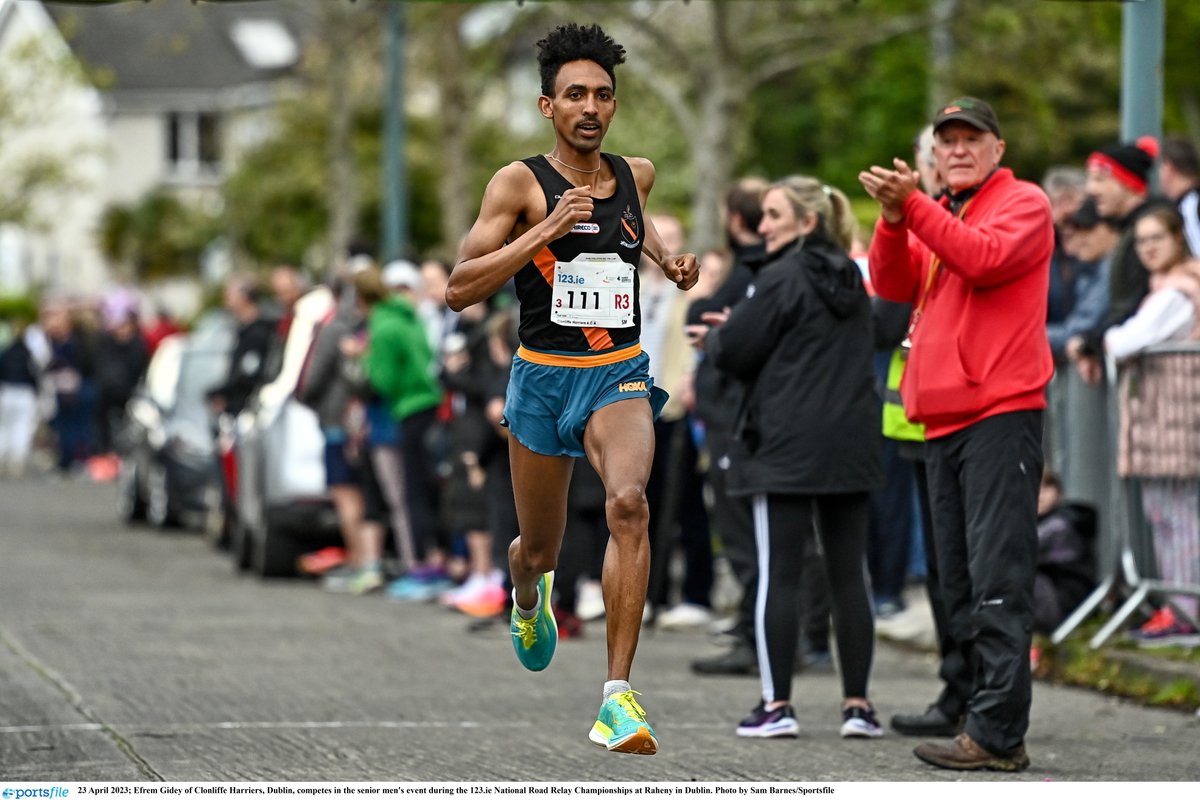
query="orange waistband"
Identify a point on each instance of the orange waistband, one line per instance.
(594, 360)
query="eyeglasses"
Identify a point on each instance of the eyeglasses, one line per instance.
(1152, 238)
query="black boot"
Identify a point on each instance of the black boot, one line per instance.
(741, 660)
(932, 722)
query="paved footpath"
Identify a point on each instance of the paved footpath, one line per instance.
(129, 654)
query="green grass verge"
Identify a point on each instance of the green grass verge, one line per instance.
(1162, 677)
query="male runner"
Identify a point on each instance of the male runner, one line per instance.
(570, 226)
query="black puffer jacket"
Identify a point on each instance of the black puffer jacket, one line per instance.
(718, 396)
(801, 342)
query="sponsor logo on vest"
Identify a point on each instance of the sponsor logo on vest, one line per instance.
(585, 227)
(632, 386)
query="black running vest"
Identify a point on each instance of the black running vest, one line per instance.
(619, 228)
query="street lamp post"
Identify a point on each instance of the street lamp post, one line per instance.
(1143, 30)
(395, 177)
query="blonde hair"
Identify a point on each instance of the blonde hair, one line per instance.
(832, 207)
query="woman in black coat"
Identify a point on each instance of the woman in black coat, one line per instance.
(807, 438)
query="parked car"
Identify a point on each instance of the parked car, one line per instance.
(168, 469)
(282, 507)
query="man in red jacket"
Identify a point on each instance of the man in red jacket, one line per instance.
(975, 266)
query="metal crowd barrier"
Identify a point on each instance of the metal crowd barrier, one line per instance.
(1126, 547)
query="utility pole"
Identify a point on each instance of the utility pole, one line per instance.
(395, 167)
(1143, 28)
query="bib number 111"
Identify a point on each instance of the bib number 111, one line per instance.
(593, 291)
(591, 300)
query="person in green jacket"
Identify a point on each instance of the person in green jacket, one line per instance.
(400, 367)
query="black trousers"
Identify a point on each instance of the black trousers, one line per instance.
(889, 528)
(782, 526)
(983, 486)
(956, 691)
(675, 493)
(733, 520)
(734, 525)
(421, 489)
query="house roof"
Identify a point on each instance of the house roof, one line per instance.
(177, 45)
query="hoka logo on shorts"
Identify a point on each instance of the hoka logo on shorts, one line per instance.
(632, 386)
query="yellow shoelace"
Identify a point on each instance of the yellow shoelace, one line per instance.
(627, 702)
(526, 631)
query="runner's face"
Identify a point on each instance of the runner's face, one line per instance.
(583, 105)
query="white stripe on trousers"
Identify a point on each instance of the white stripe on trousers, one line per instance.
(762, 539)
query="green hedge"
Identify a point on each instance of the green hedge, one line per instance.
(18, 307)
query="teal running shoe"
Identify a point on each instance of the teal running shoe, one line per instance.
(621, 726)
(535, 639)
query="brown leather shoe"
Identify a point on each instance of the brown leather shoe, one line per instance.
(964, 753)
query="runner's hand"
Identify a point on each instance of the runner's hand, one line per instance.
(683, 270)
(574, 206)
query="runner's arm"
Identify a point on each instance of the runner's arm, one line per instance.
(485, 261)
(681, 268)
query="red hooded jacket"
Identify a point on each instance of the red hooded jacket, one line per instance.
(979, 346)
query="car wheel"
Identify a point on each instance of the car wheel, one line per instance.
(158, 500)
(274, 552)
(131, 507)
(216, 518)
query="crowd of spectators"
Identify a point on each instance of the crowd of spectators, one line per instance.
(409, 397)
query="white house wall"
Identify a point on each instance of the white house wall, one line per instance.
(61, 252)
(137, 156)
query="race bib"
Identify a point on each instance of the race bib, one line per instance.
(593, 291)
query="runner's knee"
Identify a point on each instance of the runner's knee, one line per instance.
(626, 506)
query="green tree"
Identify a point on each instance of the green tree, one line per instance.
(36, 80)
(158, 236)
(704, 62)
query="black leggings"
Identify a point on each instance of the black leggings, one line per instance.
(781, 524)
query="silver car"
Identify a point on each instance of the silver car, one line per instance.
(282, 508)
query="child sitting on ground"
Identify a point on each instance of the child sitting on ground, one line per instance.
(1066, 569)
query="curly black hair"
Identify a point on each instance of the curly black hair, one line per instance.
(571, 42)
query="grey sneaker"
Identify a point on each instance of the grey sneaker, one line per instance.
(338, 579)
(365, 581)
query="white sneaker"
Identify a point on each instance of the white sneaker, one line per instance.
(685, 616)
(589, 605)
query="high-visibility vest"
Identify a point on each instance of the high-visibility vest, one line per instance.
(895, 424)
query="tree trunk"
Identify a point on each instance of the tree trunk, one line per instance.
(712, 154)
(712, 141)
